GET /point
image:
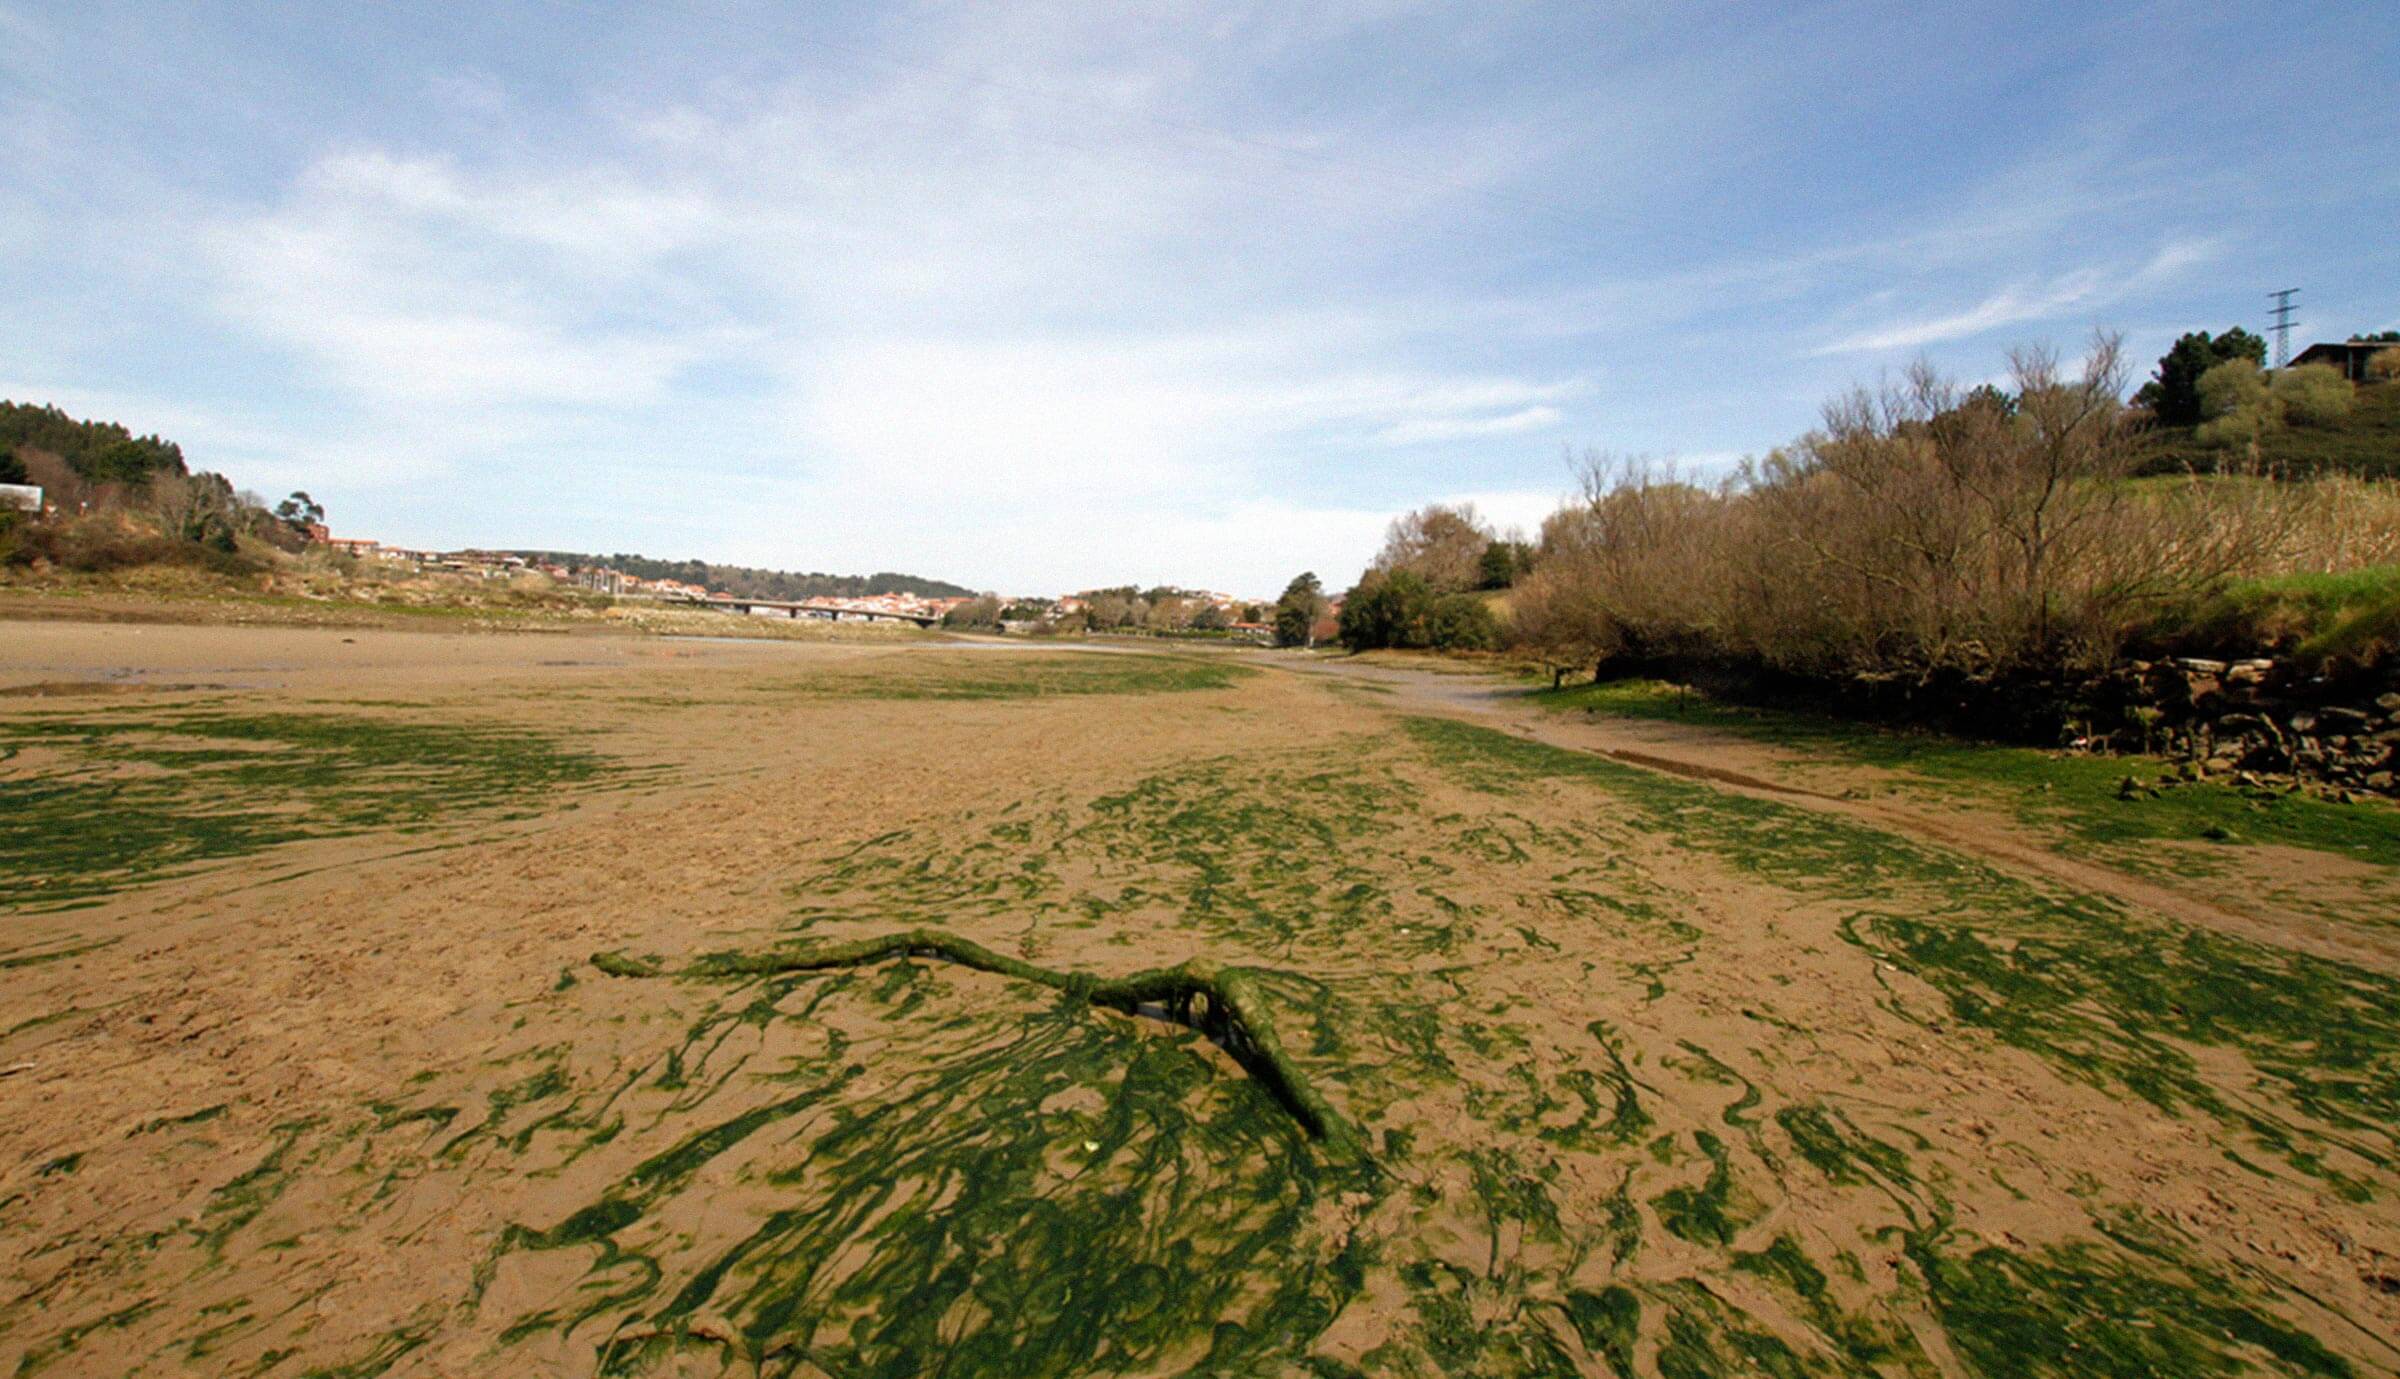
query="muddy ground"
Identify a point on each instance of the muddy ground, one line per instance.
(1656, 1049)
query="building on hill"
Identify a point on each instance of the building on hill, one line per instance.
(22, 497)
(599, 579)
(2350, 356)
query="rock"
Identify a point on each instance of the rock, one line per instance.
(2303, 722)
(2389, 703)
(2219, 833)
(2200, 666)
(2129, 789)
(2338, 719)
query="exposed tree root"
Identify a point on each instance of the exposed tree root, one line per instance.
(1223, 1003)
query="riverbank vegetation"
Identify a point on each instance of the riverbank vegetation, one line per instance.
(1928, 532)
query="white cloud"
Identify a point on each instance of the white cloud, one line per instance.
(1418, 430)
(1043, 293)
(411, 290)
(2085, 289)
(2009, 306)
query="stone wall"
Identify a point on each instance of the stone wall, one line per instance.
(2271, 721)
(2266, 719)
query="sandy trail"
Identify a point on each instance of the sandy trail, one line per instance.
(1661, 1074)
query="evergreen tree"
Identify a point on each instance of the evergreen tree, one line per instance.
(1303, 602)
(2173, 393)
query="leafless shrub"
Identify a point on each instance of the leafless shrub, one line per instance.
(1440, 544)
(1925, 531)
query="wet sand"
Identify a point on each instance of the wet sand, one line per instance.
(1672, 1070)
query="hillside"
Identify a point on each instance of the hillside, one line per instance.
(2365, 443)
(756, 583)
(97, 452)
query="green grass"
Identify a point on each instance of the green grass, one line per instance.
(137, 795)
(2317, 617)
(2072, 791)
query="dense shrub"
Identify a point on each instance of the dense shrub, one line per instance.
(1388, 608)
(2313, 394)
(1463, 622)
(99, 542)
(1397, 608)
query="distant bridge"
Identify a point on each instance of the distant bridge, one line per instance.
(817, 608)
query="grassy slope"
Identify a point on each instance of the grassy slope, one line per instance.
(2319, 617)
(2366, 443)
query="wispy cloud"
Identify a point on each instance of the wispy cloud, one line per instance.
(1418, 430)
(2084, 290)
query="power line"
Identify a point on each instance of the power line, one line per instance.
(2283, 324)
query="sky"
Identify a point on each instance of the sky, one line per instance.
(1043, 296)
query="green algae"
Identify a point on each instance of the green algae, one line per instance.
(1840, 1150)
(2085, 1310)
(19, 959)
(145, 794)
(40, 1357)
(240, 1200)
(979, 1226)
(908, 1167)
(1224, 1003)
(986, 676)
(2106, 995)
(1711, 1212)
(200, 1117)
(1609, 1322)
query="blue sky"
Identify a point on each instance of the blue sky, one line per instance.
(1036, 296)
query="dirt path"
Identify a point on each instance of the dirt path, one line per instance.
(1743, 764)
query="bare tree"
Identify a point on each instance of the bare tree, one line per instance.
(1440, 544)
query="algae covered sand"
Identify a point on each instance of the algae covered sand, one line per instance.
(779, 1011)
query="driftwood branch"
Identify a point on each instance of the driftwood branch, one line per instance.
(1223, 1003)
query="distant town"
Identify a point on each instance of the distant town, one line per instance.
(1127, 608)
